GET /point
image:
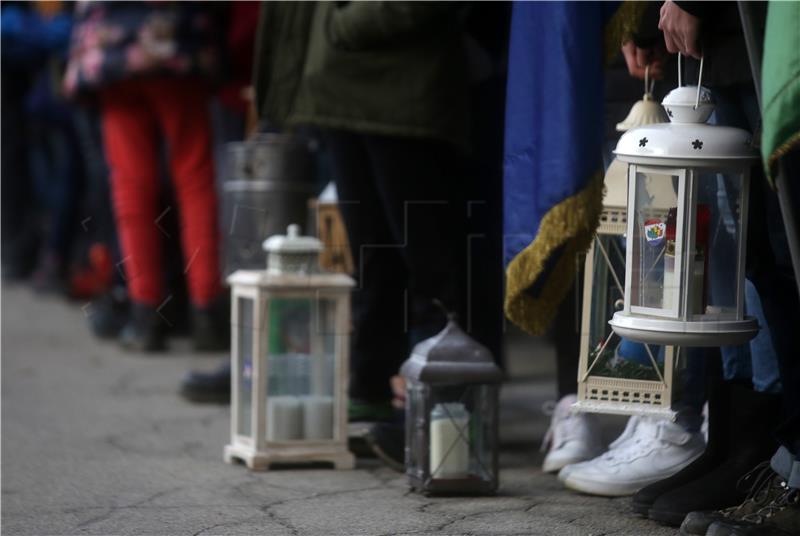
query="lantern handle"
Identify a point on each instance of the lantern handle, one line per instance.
(451, 316)
(699, 84)
(647, 81)
(680, 78)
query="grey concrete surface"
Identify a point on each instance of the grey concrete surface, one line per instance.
(96, 441)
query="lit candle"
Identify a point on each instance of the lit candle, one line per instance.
(449, 452)
(284, 418)
(317, 417)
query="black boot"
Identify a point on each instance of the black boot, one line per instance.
(208, 387)
(764, 487)
(753, 417)
(144, 332)
(109, 313)
(716, 450)
(211, 326)
(387, 441)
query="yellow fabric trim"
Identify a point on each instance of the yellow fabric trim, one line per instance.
(572, 224)
(793, 143)
(622, 26)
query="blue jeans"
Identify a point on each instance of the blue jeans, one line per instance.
(757, 361)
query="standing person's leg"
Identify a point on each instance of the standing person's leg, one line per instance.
(130, 134)
(781, 308)
(566, 336)
(379, 340)
(182, 106)
(418, 185)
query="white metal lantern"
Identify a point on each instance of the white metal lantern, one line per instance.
(290, 358)
(452, 386)
(670, 246)
(607, 382)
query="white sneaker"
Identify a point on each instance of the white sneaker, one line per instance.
(627, 434)
(572, 437)
(656, 450)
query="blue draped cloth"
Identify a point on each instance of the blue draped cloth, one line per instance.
(553, 138)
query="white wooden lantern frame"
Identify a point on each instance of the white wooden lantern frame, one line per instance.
(603, 394)
(255, 450)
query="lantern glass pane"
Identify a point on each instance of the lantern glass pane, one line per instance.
(715, 276)
(656, 240)
(609, 356)
(462, 438)
(416, 431)
(606, 292)
(300, 353)
(244, 334)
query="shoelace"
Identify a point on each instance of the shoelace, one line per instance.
(756, 483)
(641, 433)
(791, 497)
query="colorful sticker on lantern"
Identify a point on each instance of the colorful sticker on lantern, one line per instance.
(655, 232)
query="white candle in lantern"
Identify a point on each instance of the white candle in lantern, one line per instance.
(317, 417)
(284, 418)
(449, 449)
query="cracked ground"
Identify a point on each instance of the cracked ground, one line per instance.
(96, 441)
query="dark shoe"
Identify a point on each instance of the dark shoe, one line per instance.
(387, 442)
(108, 314)
(50, 275)
(208, 387)
(361, 411)
(753, 416)
(144, 331)
(764, 486)
(781, 517)
(211, 327)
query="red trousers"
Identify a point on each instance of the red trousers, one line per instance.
(136, 115)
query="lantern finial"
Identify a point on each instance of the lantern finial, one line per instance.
(292, 253)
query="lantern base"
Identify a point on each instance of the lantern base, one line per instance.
(652, 330)
(624, 408)
(339, 457)
(468, 486)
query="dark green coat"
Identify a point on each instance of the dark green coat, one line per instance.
(393, 68)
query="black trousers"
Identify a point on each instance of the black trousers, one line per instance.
(769, 268)
(401, 204)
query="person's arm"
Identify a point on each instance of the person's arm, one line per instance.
(645, 47)
(360, 25)
(680, 22)
(262, 56)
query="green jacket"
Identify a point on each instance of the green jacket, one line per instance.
(392, 68)
(780, 83)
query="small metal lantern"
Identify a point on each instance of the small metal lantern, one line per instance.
(290, 359)
(452, 387)
(606, 383)
(670, 249)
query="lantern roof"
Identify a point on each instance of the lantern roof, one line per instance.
(282, 281)
(451, 356)
(292, 242)
(643, 112)
(687, 140)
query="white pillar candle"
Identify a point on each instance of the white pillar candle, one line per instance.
(284, 418)
(317, 417)
(449, 449)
